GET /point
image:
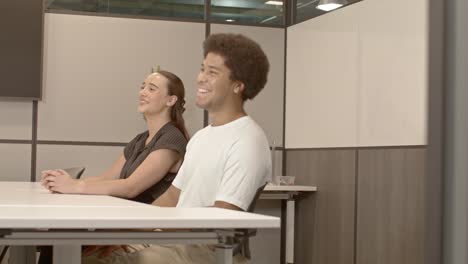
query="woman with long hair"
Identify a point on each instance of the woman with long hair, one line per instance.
(151, 160)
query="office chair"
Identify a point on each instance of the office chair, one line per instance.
(4, 251)
(75, 172)
(244, 234)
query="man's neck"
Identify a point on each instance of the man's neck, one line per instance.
(224, 117)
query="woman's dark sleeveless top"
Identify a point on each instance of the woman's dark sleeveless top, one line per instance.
(168, 137)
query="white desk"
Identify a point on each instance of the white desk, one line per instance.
(32, 216)
(289, 194)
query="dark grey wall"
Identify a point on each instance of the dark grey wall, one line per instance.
(456, 131)
(434, 175)
(21, 27)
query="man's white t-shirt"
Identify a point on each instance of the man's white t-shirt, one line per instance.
(224, 163)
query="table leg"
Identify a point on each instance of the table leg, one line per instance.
(290, 211)
(22, 255)
(224, 254)
(67, 254)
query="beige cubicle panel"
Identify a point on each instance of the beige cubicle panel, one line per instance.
(16, 162)
(322, 81)
(96, 159)
(357, 77)
(359, 111)
(393, 72)
(267, 107)
(15, 119)
(93, 69)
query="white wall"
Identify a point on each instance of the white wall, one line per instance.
(93, 67)
(357, 77)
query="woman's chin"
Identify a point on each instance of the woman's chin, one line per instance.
(141, 110)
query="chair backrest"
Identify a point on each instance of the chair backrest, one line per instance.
(243, 241)
(75, 172)
(3, 254)
(255, 199)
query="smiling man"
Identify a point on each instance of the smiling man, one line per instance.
(228, 160)
(225, 162)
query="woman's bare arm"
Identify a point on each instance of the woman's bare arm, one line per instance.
(151, 170)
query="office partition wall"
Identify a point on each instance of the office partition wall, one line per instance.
(16, 118)
(94, 67)
(322, 81)
(16, 161)
(359, 77)
(94, 158)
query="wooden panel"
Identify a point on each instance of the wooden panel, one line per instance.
(325, 222)
(390, 221)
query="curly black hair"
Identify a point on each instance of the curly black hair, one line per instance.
(244, 57)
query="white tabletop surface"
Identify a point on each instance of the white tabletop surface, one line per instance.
(33, 194)
(289, 188)
(28, 205)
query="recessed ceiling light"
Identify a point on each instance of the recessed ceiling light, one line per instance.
(230, 20)
(329, 5)
(277, 3)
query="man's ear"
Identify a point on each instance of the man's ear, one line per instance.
(239, 87)
(172, 100)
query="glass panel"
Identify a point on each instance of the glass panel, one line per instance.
(191, 9)
(74, 5)
(161, 8)
(261, 12)
(307, 9)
